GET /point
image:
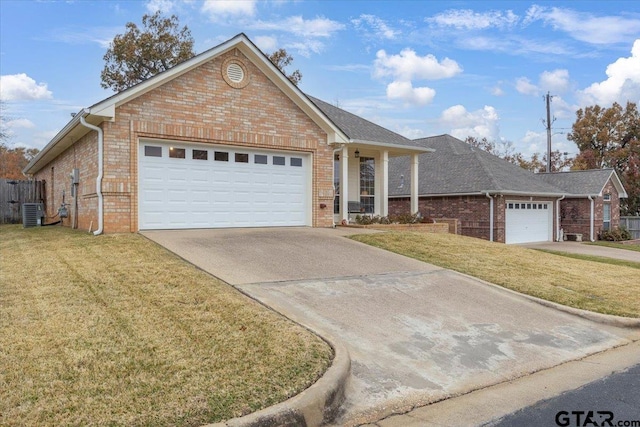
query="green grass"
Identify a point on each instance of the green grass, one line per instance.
(628, 246)
(578, 283)
(115, 330)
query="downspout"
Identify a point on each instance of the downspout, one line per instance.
(559, 238)
(100, 172)
(490, 216)
(591, 218)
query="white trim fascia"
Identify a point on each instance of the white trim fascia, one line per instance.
(398, 148)
(485, 192)
(59, 136)
(622, 193)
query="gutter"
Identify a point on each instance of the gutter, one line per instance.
(490, 216)
(100, 171)
(558, 229)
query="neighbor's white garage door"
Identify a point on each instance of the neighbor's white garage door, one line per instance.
(529, 222)
(204, 186)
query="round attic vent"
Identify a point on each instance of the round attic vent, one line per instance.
(234, 72)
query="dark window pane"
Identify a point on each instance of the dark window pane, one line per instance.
(278, 160)
(221, 156)
(296, 161)
(199, 154)
(260, 159)
(510, 205)
(177, 153)
(151, 151)
(242, 158)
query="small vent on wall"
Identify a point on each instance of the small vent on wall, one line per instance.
(235, 73)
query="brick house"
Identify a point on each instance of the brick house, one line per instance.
(221, 140)
(592, 201)
(499, 201)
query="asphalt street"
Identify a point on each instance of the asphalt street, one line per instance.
(610, 401)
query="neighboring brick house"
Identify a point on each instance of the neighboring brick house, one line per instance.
(499, 201)
(221, 140)
(592, 201)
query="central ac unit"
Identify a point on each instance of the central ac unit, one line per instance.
(32, 214)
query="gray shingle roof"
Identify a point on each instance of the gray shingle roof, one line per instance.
(458, 168)
(356, 127)
(589, 182)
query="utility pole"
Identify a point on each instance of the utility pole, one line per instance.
(548, 102)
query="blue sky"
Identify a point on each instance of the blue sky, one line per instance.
(419, 68)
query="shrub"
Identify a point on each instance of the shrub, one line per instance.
(615, 234)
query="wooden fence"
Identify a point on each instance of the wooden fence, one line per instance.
(631, 223)
(13, 193)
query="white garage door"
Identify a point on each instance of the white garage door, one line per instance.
(529, 222)
(204, 186)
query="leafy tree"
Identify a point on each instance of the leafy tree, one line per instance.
(139, 54)
(13, 160)
(610, 138)
(281, 59)
(506, 151)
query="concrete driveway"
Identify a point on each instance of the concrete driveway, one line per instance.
(416, 333)
(586, 249)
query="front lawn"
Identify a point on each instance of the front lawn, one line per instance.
(588, 285)
(115, 330)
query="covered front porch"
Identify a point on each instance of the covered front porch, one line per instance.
(361, 178)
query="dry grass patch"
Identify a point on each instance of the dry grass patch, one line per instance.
(115, 330)
(577, 283)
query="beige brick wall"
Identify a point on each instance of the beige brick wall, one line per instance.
(57, 176)
(198, 106)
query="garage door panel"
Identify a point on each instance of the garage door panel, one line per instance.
(205, 193)
(527, 222)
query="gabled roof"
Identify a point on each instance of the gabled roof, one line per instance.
(357, 128)
(584, 183)
(456, 167)
(105, 109)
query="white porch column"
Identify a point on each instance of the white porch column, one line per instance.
(414, 183)
(384, 176)
(344, 184)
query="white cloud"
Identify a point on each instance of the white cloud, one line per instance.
(556, 81)
(266, 43)
(497, 91)
(379, 28)
(465, 19)
(165, 6)
(622, 84)
(318, 27)
(219, 10)
(480, 123)
(20, 123)
(525, 87)
(404, 91)
(585, 26)
(407, 66)
(20, 87)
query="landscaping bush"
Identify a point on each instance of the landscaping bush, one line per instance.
(615, 235)
(392, 219)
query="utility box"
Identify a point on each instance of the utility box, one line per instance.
(32, 214)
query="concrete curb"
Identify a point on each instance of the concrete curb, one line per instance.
(317, 405)
(606, 319)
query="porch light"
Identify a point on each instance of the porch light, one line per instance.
(357, 154)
